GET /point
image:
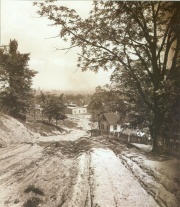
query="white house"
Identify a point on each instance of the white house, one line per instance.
(109, 122)
(73, 109)
(38, 109)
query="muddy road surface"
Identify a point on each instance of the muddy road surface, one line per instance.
(71, 172)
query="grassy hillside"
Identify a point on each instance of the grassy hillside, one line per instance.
(44, 128)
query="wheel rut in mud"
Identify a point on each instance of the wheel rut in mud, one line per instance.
(81, 173)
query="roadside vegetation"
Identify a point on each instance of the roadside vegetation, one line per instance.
(44, 128)
(16, 93)
(52, 107)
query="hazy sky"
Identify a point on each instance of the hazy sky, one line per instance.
(56, 70)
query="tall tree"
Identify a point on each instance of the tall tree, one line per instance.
(53, 107)
(106, 99)
(16, 80)
(139, 39)
(96, 104)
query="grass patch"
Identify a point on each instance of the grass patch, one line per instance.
(32, 188)
(43, 127)
(32, 202)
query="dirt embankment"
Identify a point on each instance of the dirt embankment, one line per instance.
(12, 131)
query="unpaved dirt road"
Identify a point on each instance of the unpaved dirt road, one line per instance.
(71, 172)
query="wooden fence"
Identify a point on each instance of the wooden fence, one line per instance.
(122, 137)
(170, 145)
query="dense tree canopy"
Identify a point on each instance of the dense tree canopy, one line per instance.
(106, 99)
(96, 105)
(139, 41)
(53, 106)
(16, 80)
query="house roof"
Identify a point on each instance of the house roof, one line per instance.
(76, 107)
(111, 118)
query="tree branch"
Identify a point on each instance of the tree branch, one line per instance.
(138, 84)
(144, 63)
(68, 48)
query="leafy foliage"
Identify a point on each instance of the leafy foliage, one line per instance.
(96, 105)
(105, 99)
(53, 107)
(16, 80)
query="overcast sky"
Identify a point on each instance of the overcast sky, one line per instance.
(56, 70)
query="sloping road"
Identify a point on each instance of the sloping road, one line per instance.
(69, 171)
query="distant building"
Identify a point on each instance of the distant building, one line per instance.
(74, 109)
(38, 109)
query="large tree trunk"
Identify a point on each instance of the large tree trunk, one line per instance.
(157, 134)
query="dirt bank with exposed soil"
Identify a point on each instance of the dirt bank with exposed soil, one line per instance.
(12, 131)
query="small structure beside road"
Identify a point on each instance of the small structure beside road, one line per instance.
(109, 122)
(110, 125)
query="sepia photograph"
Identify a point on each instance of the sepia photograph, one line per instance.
(89, 103)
